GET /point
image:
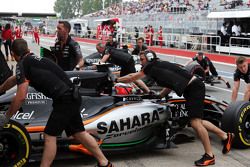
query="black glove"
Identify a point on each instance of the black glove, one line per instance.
(154, 95)
(3, 120)
(152, 92)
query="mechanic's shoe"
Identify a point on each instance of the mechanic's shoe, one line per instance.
(205, 160)
(228, 85)
(108, 165)
(227, 144)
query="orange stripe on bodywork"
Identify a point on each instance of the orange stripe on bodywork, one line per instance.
(174, 101)
(80, 148)
(101, 115)
(182, 100)
(35, 129)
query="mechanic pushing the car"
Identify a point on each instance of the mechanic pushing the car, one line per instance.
(121, 58)
(67, 51)
(172, 77)
(242, 72)
(46, 77)
(117, 57)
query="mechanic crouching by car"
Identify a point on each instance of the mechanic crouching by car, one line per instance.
(48, 78)
(208, 66)
(172, 77)
(67, 51)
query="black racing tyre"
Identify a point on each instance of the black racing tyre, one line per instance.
(15, 145)
(195, 69)
(236, 119)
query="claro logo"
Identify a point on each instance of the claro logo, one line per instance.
(22, 116)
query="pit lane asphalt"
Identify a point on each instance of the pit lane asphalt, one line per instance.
(185, 154)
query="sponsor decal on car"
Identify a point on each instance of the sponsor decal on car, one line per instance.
(130, 123)
(35, 99)
(23, 115)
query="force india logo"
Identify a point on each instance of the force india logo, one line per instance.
(128, 123)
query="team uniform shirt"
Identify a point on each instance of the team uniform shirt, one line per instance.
(168, 75)
(137, 49)
(44, 75)
(204, 62)
(69, 55)
(239, 75)
(121, 58)
(113, 44)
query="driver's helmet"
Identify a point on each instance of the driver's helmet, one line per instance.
(123, 89)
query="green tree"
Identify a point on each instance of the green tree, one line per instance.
(76, 8)
(68, 8)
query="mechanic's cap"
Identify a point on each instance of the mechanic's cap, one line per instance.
(150, 55)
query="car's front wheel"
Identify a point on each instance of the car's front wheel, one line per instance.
(236, 119)
(15, 145)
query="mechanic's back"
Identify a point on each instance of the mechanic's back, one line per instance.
(44, 75)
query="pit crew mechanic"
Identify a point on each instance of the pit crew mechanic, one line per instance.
(117, 57)
(67, 51)
(46, 77)
(208, 66)
(139, 46)
(122, 59)
(202, 60)
(242, 72)
(175, 78)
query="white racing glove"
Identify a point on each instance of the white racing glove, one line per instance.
(3, 120)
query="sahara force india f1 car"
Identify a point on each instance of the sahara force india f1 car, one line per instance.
(118, 122)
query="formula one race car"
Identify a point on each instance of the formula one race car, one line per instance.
(118, 122)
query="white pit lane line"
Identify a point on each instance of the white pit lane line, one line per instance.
(223, 89)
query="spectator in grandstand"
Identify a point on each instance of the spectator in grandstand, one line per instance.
(7, 40)
(242, 72)
(111, 42)
(139, 47)
(67, 51)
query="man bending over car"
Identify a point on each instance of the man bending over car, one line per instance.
(242, 72)
(172, 77)
(46, 77)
